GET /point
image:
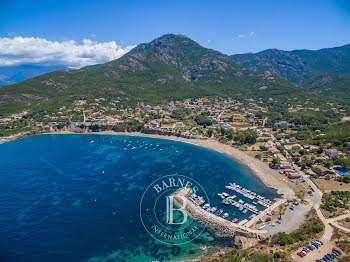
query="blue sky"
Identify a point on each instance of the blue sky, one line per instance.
(230, 26)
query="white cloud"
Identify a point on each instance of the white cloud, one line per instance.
(251, 34)
(34, 50)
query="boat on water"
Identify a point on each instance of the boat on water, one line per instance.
(221, 196)
(241, 208)
(206, 206)
(213, 209)
(219, 212)
(225, 194)
(196, 199)
(245, 211)
(234, 220)
(225, 215)
(226, 202)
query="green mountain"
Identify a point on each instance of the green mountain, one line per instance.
(330, 85)
(298, 65)
(168, 68)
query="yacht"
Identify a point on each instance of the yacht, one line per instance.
(219, 212)
(206, 206)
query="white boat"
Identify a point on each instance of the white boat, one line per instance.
(225, 215)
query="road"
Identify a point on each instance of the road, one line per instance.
(316, 200)
(333, 221)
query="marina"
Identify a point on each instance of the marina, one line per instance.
(230, 200)
(250, 194)
(214, 217)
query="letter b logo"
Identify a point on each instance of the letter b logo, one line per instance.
(170, 211)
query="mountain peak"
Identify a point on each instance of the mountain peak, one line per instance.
(163, 41)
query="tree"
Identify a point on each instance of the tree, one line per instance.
(275, 161)
(209, 132)
(203, 120)
(230, 134)
(246, 137)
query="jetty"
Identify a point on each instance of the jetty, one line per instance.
(250, 194)
(210, 220)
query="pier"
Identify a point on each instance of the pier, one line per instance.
(250, 194)
(211, 220)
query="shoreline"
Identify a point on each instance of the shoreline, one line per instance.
(258, 168)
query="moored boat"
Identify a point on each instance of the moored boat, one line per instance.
(219, 212)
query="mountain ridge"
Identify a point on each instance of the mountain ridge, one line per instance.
(298, 65)
(170, 67)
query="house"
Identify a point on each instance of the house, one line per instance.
(281, 157)
(179, 125)
(293, 140)
(153, 124)
(282, 123)
(313, 149)
(273, 150)
(286, 147)
(269, 143)
(296, 146)
(293, 175)
(285, 165)
(287, 171)
(332, 152)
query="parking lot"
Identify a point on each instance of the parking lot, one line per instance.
(290, 220)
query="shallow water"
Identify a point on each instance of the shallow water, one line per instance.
(63, 198)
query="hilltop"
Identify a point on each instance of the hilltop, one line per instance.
(323, 71)
(298, 65)
(170, 67)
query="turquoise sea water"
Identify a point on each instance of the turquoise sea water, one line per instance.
(63, 198)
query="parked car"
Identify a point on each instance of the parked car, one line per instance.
(337, 250)
(337, 255)
(300, 254)
(311, 247)
(314, 245)
(319, 242)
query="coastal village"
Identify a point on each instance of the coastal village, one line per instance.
(316, 171)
